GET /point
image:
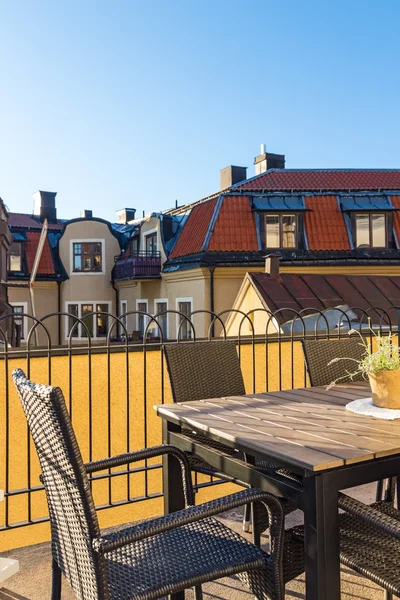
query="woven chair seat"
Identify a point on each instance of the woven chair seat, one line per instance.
(367, 549)
(166, 562)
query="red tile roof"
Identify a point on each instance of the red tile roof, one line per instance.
(396, 216)
(295, 292)
(24, 221)
(46, 266)
(192, 237)
(324, 179)
(324, 224)
(235, 227)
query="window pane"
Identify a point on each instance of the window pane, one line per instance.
(142, 321)
(151, 243)
(378, 231)
(362, 231)
(77, 263)
(102, 320)
(72, 323)
(77, 248)
(288, 231)
(15, 257)
(185, 331)
(86, 310)
(162, 319)
(272, 229)
(19, 320)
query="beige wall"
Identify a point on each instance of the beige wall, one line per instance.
(93, 287)
(46, 302)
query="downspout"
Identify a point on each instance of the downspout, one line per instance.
(212, 269)
(59, 309)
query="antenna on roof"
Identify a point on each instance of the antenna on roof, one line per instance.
(35, 268)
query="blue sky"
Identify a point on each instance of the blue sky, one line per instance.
(128, 103)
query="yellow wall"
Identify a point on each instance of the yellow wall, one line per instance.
(140, 376)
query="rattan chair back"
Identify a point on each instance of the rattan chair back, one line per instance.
(318, 354)
(72, 514)
(204, 370)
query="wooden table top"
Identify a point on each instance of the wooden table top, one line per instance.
(309, 427)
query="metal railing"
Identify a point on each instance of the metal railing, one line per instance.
(139, 265)
(111, 386)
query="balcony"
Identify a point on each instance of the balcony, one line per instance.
(143, 265)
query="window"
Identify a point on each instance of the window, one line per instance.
(19, 309)
(184, 306)
(141, 320)
(95, 325)
(371, 230)
(281, 231)
(161, 307)
(122, 312)
(15, 257)
(134, 246)
(87, 257)
(151, 243)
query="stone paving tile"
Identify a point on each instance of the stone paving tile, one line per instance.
(34, 580)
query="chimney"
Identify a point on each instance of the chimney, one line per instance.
(272, 264)
(125, 215)
(231, 175)
(45, 205)
(266, 161)
(86, 214)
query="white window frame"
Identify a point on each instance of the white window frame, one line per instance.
(79, 303)
(150, 232)
(142, 300)
(177, 301)
(156, 301)
(25, 319)
(87, 241)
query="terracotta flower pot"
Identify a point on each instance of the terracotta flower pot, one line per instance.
(385, 388)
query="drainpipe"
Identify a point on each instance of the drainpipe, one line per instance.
(212, 269)
(59, 310)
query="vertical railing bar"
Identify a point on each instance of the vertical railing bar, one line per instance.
(109, 425)
(7, 436)
(146, 480)
(28, 445)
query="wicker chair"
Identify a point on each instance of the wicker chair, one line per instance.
(153, 558)
(318, 353)
(369, 541)
(212, 370)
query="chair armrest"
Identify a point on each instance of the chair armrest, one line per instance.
(192, 514)
(370, 514)
(165, 449)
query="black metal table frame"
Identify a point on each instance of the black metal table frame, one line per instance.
(317, 498)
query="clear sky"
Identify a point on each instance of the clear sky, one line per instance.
(125, 103)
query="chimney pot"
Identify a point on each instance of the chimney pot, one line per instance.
(272, 264)
(86, 214)
(231, 175)
(124, 215)
(45, 205)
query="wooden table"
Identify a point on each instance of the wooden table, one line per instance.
(307, 431)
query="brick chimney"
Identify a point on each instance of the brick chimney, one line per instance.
(231, 175)
(124, 215)
(267, 160)
(45, 205)
(272, 264)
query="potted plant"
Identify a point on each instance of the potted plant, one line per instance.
(382, 367)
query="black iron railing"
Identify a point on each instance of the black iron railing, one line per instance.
(112, 385)
(138, 266)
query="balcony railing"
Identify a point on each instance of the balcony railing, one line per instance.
(143, 265)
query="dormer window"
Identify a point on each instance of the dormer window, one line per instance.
(151, 243)
(15, 257)
(281, 230)
(371, 230)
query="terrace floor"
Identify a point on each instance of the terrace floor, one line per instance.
(34, 580)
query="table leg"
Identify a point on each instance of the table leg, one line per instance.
(172, 485)
(321, 525)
